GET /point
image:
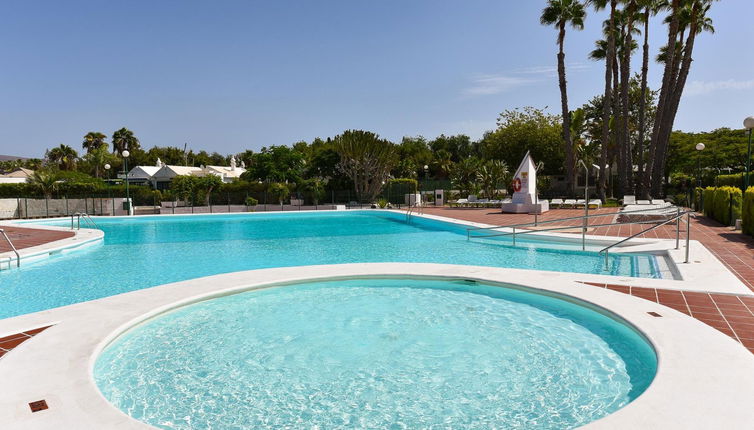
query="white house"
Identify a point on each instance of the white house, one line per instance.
(227, 173)
(18, 176)
(162, 177)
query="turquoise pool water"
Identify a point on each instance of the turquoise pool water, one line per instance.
(141, 252)
(368, 353)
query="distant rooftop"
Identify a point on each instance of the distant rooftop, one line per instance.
(11, 158)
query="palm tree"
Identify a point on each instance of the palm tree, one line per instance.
(93, 140)
(688, 18)
(63, 156)
(609, 55)
(561, 13)
(44, 180)
(124, 139)
(650, 7)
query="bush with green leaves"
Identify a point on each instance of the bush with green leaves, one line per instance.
(251, 201)
(734, 180)
(279, 191)
(382, 203)
(708, 201)
(747, 212)
(727, 204)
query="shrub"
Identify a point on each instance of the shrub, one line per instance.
(251, 201)
(382, 203)
(748, 211)
(708, 199)
(734, 180)
(279, 191)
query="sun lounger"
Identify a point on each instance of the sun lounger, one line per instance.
(595, 203)
(569, 203)
(643, 202)
(556, 203)
(658, 202)
(580, 203)
(629, 200)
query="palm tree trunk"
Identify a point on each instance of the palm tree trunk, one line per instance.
(643, 102)
(607, 102)
(655, 150)
(625, 72)
(569, 167)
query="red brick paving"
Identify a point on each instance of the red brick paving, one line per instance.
(728, 313)
(7, 343)
(23, 237)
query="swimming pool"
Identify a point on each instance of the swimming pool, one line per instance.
(377, 353)
(140, 252)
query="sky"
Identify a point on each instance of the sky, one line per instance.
(230, 75)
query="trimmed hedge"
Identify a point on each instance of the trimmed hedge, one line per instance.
(748, 211)
(708, 201)
(727, 204)
(734, 180)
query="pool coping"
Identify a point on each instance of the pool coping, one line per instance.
(692, 389)
(694, 276)
(81, 238)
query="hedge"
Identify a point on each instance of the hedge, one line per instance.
(734, 180)
(748, 211)
(727, 204)
(708, 199)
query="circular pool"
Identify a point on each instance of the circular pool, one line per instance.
(377, 353)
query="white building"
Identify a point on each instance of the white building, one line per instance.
(18, 176)
(162, 174)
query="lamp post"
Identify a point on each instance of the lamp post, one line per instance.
(107, 169)
(426, 174)
(125, 155)
(749, 125)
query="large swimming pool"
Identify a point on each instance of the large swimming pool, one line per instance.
(377, 353)
(140, 252)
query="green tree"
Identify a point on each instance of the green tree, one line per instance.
(93, 140)
(464, 176)
(96, 158)
(183, 187)
(63, 156)
(45, 180)
(491, 175)
(124, 139)
(206, 184)
(561, 13)
(522, 130)
(279, 191)
(366, 160)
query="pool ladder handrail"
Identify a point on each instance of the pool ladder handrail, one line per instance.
(12, 247)
(415, 208)
(87, 220)
(677, 218)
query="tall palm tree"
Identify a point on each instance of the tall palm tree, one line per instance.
(650, 8)
(93, 140)
(624, 143)
(609, 51)
(63, 156)
(124, 139)
(561, 13)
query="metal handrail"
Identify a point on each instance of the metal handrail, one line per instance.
(566, 219)
(7, 239)
(87, 219)
(567, 227)
(676, 218)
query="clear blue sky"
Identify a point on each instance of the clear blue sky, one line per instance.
(229, 75)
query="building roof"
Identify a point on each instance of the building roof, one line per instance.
(173, 171)
(143, 171)
(19, 173)
(226, 171)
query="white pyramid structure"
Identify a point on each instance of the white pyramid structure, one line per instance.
(525, 186)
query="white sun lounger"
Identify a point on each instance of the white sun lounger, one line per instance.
(629, 200)
(595, 203)
(569, 203)
(556, 203)
(644, 202)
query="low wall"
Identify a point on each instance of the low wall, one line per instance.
(43, 208)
